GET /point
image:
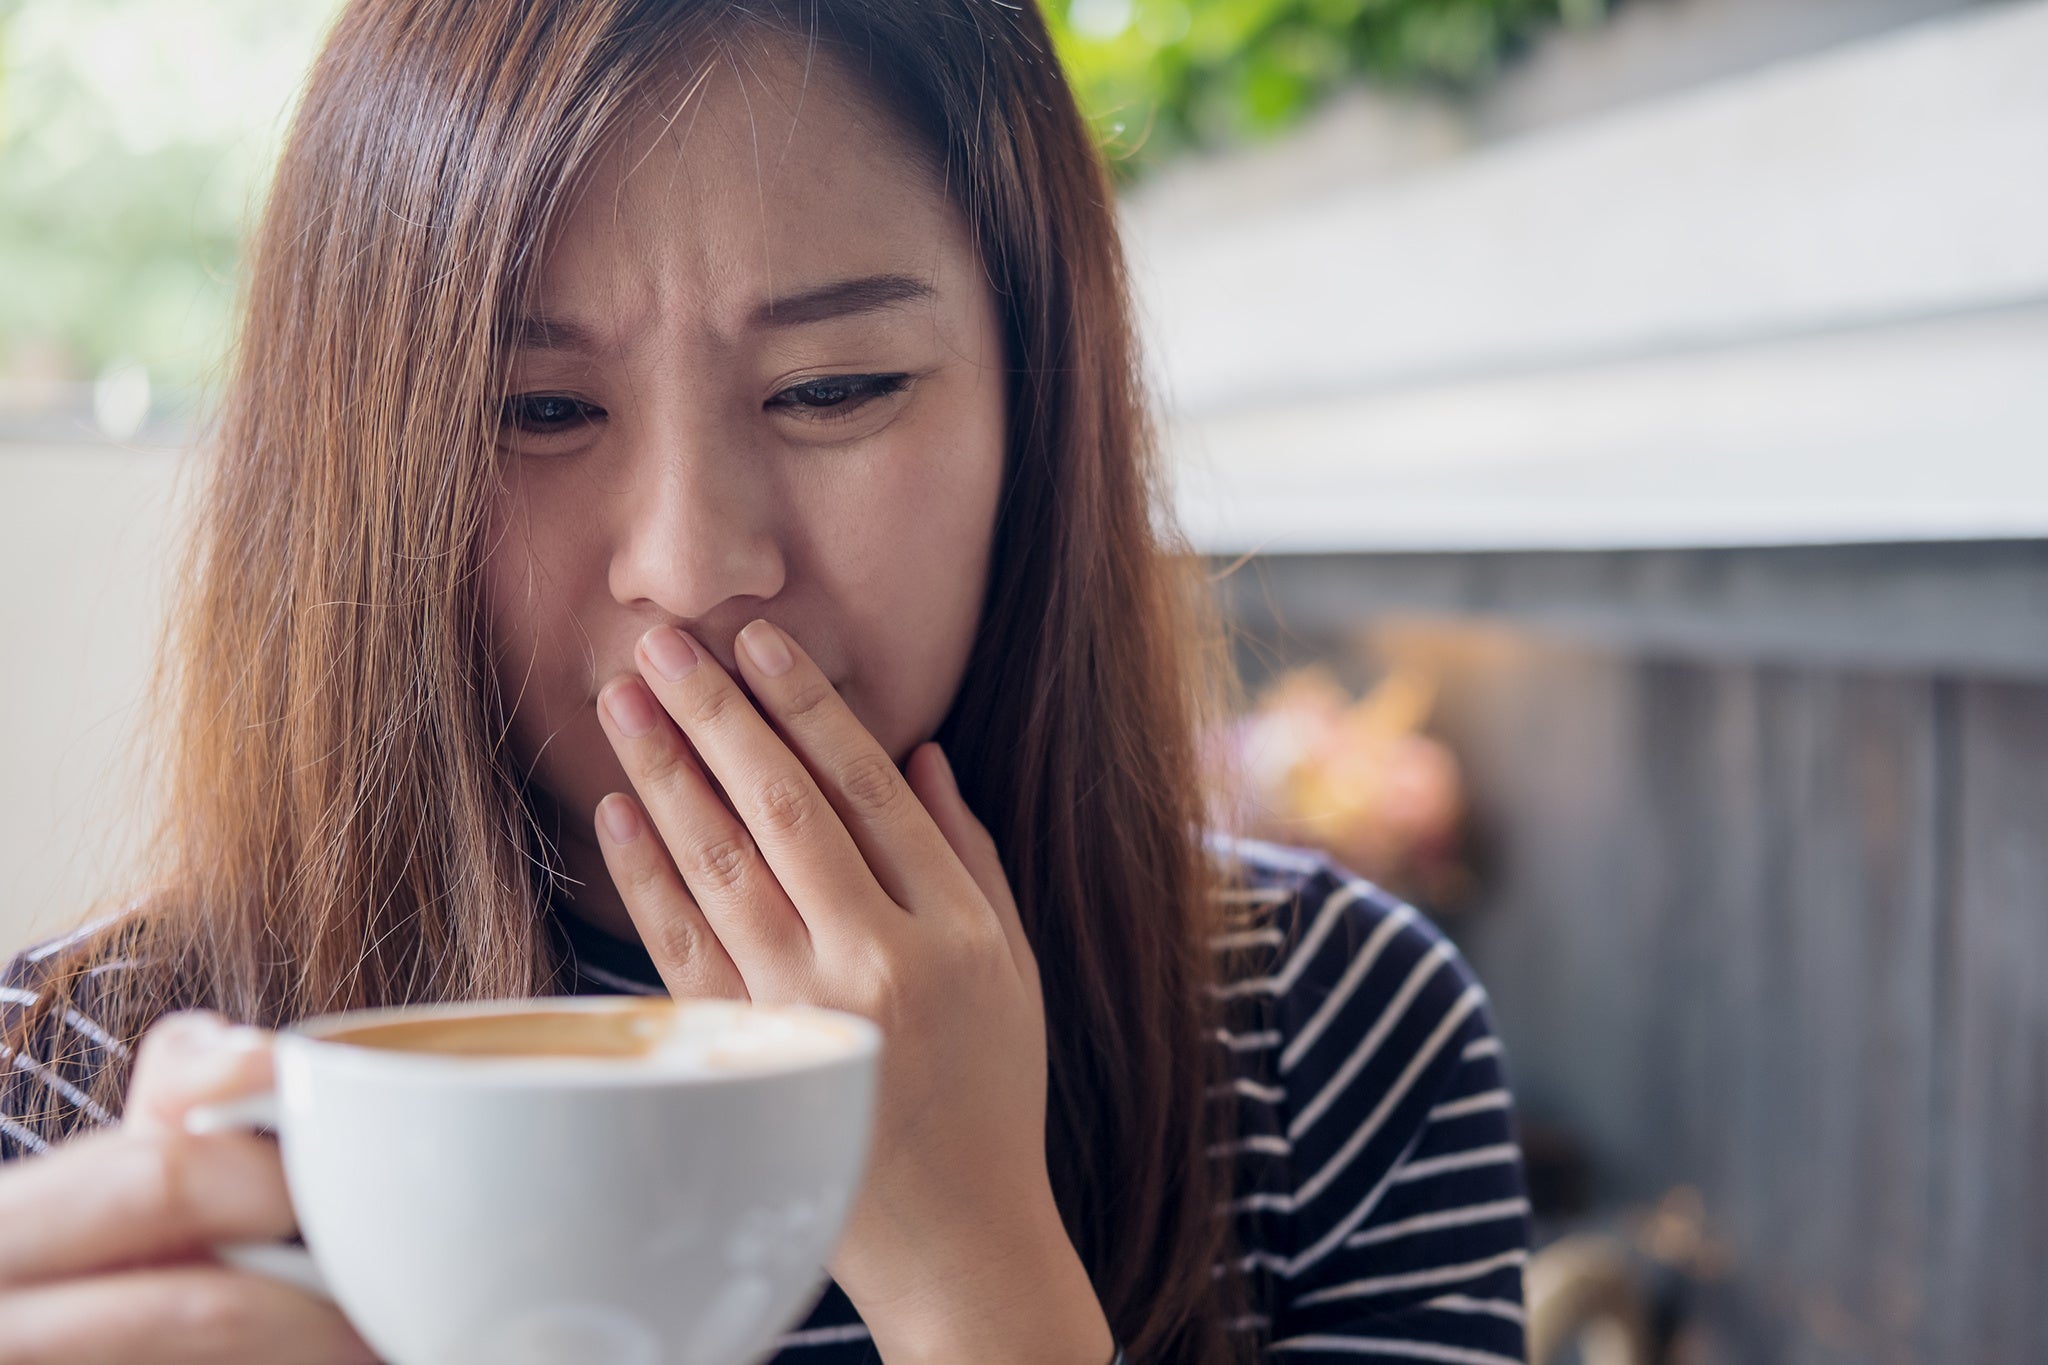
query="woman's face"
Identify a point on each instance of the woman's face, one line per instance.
(764, 378)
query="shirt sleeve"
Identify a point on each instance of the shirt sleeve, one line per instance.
(1406, 1225)
(45, 1066)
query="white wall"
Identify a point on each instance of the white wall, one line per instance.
(1804, 303)
(83, 536)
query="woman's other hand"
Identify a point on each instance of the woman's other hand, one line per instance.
(106, 1241)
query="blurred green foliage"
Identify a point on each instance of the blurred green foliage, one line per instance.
(136, 135)
(135, 139)
(1161, 76)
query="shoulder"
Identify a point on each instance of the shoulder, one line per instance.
(1381, 1138)
(1370, 1013)
(63, 1023)
(1321, 943)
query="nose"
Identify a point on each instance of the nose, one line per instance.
(696, 527)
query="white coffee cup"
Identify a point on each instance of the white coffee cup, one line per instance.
(674, 1206)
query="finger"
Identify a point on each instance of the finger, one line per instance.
(897, 839)
(712, 850)
(931, 779)
(173, 1316)
(191, 1058)
(794, 827)
(123, 1198)
(691, 960)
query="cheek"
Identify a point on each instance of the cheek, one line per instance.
(535, 686)
(905, 550)
(508, 574)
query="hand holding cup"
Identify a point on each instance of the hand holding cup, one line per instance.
(105, 1242)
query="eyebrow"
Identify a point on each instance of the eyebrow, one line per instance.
(836, 299)
(865, 294)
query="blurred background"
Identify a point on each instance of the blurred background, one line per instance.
(1620, 432)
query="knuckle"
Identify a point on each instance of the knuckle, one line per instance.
(720, 864)
(971, 949)
(647, 881)
(977, 960)
(872, 784)
(887, 993)
(876, 999)
(714, 705)
(675, 942)
(786, 805)
(664, 768)
(807, 697)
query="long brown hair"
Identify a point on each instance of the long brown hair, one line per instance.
(344, 824)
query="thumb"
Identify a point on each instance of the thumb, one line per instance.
(191, 1058)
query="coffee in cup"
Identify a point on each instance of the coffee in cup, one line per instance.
(723, 1038)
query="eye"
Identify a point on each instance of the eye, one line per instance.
(836, 395)
(544, 414)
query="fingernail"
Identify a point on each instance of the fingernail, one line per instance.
(671, 651)
(220, 1058)
(619, 820)
(632, 710)
(766, 648)
(242, 1038)
(188, 1031)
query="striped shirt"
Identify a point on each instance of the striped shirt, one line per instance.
(1378, 1192)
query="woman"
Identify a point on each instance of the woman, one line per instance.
(683, 520)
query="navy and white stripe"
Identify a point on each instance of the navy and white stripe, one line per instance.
(1377, 1188)
(1380, 1205)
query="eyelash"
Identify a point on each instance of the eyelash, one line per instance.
(853, 392)
(518, 410)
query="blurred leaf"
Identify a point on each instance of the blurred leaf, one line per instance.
(135, 139)
(1192, 73)
(136, 135)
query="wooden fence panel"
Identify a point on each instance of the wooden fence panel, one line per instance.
(1991, 1168)
(1779, 932)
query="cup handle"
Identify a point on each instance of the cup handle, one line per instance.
(294, 1265)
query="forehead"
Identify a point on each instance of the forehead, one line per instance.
(759, 171)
